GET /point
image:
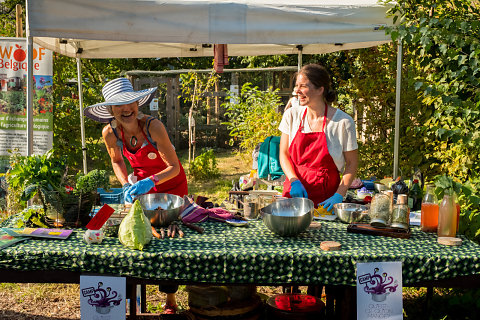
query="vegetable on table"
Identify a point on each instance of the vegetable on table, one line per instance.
(135, 231)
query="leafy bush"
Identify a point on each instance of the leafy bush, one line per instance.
(204, 166)
(253, 116)
(91, 181)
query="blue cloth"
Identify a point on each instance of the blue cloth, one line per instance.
(124, 190)
(139, 188)
(297, 190)
(269, 159)
(328, 204)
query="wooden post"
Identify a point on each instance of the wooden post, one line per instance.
(176, 103)
(18, 21)
(217, 109)
(169, 109)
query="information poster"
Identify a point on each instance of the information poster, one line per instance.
(379, 290)
(13, 98)
(102, 298)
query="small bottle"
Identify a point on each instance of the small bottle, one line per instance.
(447, 217)
(429, 213)
(415, 196)
(401, 213)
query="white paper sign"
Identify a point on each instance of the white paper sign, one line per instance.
(379, 290)
(154, 104)
(234, 90)
(102, 298)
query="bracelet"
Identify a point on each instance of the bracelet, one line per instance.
(154, 178)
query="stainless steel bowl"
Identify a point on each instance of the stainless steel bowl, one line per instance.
(350, 212)
(288, 217)
(161, 208)
(379, 187)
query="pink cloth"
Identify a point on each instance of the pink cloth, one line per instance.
(192, 212)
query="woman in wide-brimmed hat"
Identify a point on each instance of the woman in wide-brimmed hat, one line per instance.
(144, 141)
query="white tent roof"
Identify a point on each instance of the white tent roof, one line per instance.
(187, 28)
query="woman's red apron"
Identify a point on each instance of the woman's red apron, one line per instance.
(313, 164)
(146, 161)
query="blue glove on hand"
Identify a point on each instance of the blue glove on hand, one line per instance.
(297, 190)
(124, 190)
(328, 204)
(139, 188)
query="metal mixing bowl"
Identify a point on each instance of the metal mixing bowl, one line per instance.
(161, 208)
(350, 212)
(288, 217)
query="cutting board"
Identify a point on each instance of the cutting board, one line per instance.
(366, 228)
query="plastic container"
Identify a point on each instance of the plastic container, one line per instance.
(111, 196)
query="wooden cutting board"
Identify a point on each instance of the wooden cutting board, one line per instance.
(366, 228)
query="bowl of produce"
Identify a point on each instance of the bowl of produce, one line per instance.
(288, 217)
(161, 208)
(350, 212)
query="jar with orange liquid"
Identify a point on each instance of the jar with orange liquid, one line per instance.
(429, 211)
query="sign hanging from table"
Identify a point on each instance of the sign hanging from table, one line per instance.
(102, 297)
(379, 290)
(13, 98)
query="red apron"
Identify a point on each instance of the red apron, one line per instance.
(313, 164)
(146, 161)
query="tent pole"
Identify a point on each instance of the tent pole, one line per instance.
(300, 56)
(397, 111)
(82, 124)
(29, 88)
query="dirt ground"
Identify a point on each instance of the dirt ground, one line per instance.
(62, 301)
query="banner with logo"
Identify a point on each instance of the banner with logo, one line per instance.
(102, 298)
(13, 98)
(379, 290)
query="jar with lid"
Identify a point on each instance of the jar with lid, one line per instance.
(429, 213)
(401, 213)
(380, 210)
(251, 206)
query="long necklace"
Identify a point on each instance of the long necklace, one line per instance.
(133, 141)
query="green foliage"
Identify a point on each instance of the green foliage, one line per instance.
(204, 166)
(32, 217)
(91, 181)
(253, 116)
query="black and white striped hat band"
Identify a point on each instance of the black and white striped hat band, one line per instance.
(117, 92)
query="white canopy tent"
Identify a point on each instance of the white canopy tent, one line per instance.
(189, 28)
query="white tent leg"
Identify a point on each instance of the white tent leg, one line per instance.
(29, 93)
(396, 142)
(82, 123)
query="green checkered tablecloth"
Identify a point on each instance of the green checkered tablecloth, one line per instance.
(253, 254)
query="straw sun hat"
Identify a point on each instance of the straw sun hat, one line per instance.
(117, 92)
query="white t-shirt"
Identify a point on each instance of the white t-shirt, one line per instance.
(340, 132)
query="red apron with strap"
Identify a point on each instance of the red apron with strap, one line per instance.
(313, 164)
(146, 161)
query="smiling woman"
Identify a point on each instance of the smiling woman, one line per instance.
(144, 141)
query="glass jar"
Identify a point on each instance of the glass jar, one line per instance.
(380, 210)
(447, 217)
(265, 200)
(401, 213)
(429, 213)
(251, 207)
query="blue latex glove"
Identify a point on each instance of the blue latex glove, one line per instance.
(124, 190)
(297, 190)
(328, 204)
(139, 188)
